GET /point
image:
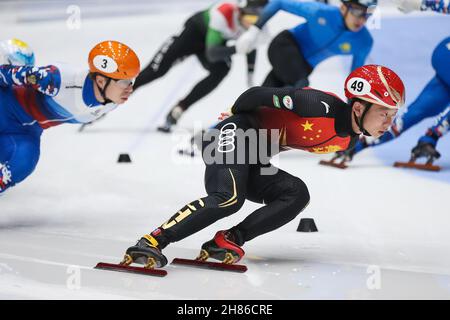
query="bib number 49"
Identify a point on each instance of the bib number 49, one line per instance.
(358, 86)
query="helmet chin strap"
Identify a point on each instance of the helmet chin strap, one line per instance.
(360, 120)
(103, 91)
(345, 17)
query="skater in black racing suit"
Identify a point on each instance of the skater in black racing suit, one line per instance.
(237, 154)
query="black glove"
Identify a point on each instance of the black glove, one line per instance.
(344, 156)
(425, 149)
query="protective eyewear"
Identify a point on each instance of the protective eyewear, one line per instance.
(250, 18)
(124, 83)
(361, 12)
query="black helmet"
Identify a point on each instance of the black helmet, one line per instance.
(253, 7)
(364, 3)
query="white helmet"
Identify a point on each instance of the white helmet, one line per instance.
(16, 52)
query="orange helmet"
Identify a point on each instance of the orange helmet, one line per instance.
(114, 60)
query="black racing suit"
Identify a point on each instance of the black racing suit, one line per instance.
(191, 41)
(289, 66)
(237, 163)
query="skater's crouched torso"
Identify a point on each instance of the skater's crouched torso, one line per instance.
(270, 120)
(48, 96)
(238, 140)
(220, 23)
(316, 134)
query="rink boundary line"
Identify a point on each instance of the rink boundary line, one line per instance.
(40, 261)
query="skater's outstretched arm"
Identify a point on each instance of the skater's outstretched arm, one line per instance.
(46, 80)
(303, 9)
(257, 97)
(219, 53)
(308, 10)
(360, 56)
(303, 102)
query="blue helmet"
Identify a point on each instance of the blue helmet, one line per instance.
(16, 52)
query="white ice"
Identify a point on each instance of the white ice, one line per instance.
(383, 232)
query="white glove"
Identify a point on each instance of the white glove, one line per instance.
(408, 6)
(250, 81)
(247, 41)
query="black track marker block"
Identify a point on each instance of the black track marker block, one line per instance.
(307, 225)
(124, 158)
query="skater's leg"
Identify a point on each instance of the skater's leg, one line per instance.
(217, 72)
(225, 182)
(19, 155)
(188, 42)
(284, 196)
(226, 190)
(272, 81)
(288, 63)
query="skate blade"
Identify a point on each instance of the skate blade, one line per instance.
(333, 164)
(210, 265)
(151, 263)
(131, 269)
(184, 152)
(164, 130)
(203, 256)
(127, 260)
(229, 259)
(413, 165)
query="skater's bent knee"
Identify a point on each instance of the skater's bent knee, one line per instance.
(300, 194)
(225, 200)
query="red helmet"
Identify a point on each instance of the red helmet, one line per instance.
(376, 84)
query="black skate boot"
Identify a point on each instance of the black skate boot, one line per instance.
(425, 150)
(171, 119)
(146, 252)
(342, 158)
(222, 248)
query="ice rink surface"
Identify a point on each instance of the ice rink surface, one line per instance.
(383, 232)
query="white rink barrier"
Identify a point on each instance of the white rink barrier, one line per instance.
(43, 10)
(23, 11)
